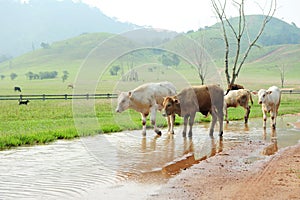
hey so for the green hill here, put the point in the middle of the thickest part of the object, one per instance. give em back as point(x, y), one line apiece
point(68, 55)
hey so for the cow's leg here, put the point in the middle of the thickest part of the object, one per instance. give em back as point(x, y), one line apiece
point(220, 119)
point(226, 113)
point(264, 118)
point(144, 121)
point(191, 122)
point(185, 121)
point(171, 122)
point(213, 123)
point(247, 114)
point(273, 118)
point(153, 119)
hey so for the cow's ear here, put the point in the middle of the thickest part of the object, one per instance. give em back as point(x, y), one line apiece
point(129, 93)
point(269, 92)
point(176, 100)
point(254, 92)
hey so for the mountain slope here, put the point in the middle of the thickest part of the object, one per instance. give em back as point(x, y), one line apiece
point(26, 26)
point(277, 32)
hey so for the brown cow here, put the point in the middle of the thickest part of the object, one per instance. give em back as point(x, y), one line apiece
point(233, 86)
point(205, 99)
point(237, 98)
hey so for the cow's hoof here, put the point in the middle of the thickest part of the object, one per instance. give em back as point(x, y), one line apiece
point(158, 133)
point(171, 133)
point(221, 134)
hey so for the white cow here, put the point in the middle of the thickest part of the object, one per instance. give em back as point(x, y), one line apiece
point(147, 98)
point(270, 101)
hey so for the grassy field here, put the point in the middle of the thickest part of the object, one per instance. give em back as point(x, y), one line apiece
point(42, 122)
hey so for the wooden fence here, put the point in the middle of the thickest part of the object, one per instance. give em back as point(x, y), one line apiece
point(82, 96)
point(57, 96)
point(283, 91)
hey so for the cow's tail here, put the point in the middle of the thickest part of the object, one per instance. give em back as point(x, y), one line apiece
point(250, 97)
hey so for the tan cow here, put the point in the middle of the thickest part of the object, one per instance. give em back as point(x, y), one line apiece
point(233, 86)
point(147, 98)
point(205, 99)
point(236, 98)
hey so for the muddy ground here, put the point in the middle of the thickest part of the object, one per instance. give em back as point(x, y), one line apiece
point(238, 174)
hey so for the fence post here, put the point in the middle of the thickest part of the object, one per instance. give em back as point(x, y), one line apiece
point(44, 97)
point(66, 96)
point(21, 97)
point(87, 96)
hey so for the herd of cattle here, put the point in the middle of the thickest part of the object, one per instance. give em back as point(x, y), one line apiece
point(206, 99)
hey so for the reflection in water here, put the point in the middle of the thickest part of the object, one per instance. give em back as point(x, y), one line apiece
point(246, 127)
point(190, 158)
point(216, 148)
point(273, 147)
point(103, 164)
point(232, 126)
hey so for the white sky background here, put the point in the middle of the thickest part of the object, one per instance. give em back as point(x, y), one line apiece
point(184, 15)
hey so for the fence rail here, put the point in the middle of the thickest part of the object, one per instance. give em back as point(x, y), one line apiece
point(283, 91)
point(57, 96)
point(82, 96)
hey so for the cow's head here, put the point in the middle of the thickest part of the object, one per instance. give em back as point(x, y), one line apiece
point(169, 105)
point(262, 95)
point(123, 101)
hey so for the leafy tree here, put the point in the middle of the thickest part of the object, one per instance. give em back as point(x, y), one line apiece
point(48, 75)
point(45, 45)
point(114, 70)
point(29, 75)
point(65, 76)
point(2, 76)
point(176, 60)
point(170, 60)
point(13, 76)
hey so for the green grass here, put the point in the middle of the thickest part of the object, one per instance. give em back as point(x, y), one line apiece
point(42, 122)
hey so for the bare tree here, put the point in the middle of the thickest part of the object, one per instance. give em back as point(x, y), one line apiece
point(238, 32)
point(282, 74)
point(195, 52)
point(200, 61)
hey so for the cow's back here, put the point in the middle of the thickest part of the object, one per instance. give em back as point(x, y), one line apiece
point(150, 93)
point(275, 96)
point(217, 96)
point(200, 98)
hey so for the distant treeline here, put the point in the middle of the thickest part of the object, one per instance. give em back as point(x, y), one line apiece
point(39, 76)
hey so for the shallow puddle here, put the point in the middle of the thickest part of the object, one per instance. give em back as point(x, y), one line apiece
point(124, 164)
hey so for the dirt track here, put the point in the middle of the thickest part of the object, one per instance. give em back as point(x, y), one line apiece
point(237, 174)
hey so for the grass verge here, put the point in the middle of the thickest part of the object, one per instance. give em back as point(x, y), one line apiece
point(42, 122)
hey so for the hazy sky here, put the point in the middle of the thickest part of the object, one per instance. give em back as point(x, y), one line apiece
point(184, 15)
